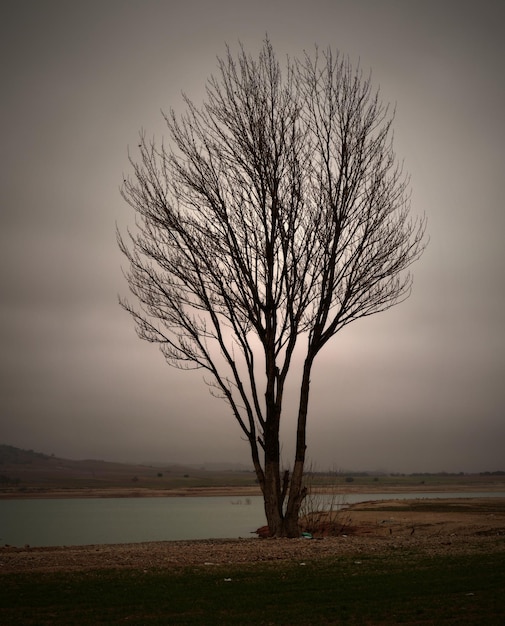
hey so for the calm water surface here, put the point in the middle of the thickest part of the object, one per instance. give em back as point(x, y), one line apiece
point(83, 521)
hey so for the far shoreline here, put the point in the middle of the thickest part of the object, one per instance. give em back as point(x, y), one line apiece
point(234, 491)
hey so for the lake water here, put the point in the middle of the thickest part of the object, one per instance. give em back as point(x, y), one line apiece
point(84, 521)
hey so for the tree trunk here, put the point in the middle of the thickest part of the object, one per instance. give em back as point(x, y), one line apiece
point(284, 521)
point(272, 491)
point(297, 491)
point(272, 500)
point(279, 523)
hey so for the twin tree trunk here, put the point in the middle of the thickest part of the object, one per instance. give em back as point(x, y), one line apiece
point(284, 491)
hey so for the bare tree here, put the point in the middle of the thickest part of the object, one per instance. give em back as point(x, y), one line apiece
point(277, 215)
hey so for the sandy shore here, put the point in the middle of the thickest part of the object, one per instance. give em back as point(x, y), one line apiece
point(363, 532)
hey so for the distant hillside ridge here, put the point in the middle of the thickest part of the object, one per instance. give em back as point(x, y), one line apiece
point(11, 454)
point(24, 471)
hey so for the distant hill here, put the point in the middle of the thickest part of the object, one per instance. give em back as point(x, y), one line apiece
point(16, 456)
point(29, 470)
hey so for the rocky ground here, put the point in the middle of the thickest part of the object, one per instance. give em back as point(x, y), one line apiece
point(363, 529)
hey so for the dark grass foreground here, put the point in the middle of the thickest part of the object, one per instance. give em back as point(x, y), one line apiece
point(403, 588)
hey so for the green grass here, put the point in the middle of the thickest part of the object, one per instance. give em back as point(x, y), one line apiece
point(397, 588)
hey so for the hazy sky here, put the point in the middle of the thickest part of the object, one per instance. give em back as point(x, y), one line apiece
point(418, 388)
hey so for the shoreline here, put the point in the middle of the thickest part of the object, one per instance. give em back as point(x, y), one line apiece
point(192, 492)
point(478, 527)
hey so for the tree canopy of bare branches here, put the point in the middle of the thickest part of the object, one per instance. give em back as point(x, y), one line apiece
point(277, 215)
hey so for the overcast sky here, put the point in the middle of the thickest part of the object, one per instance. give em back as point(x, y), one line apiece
point(417, 388)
